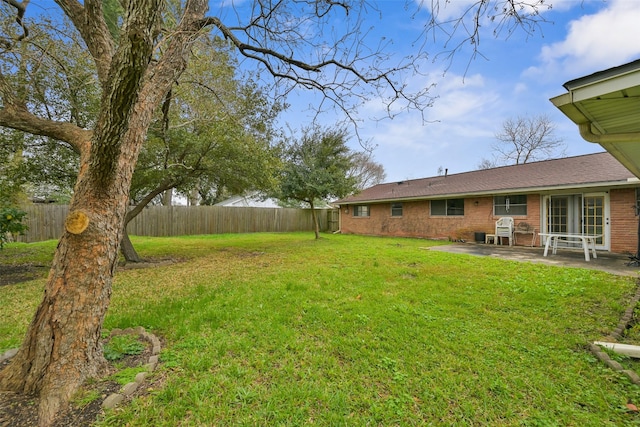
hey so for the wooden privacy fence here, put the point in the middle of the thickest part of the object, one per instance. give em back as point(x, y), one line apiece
point(47, 221)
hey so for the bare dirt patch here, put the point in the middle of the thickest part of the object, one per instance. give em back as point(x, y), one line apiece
point(12, 274)
point(148, 263)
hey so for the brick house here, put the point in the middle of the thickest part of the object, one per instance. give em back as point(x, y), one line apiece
point(591, 194)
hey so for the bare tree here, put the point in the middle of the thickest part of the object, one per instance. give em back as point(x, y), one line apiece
point(365, 170)
point(527, 139)
point(487, 164)
point(135, 66)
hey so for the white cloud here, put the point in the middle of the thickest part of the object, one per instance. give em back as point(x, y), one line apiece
point(460, 124)
point(461, 98)
point(595, 42)
point(456, 96)
point(520, 88)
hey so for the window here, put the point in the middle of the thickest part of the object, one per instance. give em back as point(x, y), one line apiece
point(510, 205)
point(448, 207)
point(396, 209)
point(361, 210)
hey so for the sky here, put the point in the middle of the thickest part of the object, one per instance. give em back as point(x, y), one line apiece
point(515, 77)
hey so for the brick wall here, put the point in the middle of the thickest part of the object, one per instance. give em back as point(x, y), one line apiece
point(478, 217)
point(624, 222)
point(416, 220)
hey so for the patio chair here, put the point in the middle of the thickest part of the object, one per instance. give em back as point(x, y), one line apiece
point(504, 228)
point(524, 228)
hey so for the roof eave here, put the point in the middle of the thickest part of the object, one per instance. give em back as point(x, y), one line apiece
point(619, 133)
point(523, 190)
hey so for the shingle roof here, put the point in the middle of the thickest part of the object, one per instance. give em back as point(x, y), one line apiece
point(598, 169)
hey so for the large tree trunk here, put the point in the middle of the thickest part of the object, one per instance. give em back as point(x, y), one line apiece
point(128, 250)
point(62, 346)
point(126, 247)
point(314, 215)
point(167, 197)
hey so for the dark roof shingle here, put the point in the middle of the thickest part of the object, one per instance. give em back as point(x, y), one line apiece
point(579, 171)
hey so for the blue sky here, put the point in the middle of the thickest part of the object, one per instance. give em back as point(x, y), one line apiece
point(516, 77)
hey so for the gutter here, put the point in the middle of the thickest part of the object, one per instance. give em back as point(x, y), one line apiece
point(587, 134)
point(539, 189)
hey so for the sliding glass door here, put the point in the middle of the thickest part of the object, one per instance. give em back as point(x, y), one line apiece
point(586, 213)
point(594, 220)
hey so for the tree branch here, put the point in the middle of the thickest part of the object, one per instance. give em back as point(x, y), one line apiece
point(89, 21)
point(281, 40)
point(167, 184)
point(21, 8)
point(505, 16)
point(129, 66)
point(20, 119)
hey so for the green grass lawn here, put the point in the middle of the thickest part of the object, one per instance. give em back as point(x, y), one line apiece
point(283, 330)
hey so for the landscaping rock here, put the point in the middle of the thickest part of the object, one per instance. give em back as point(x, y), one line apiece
point(112, 401)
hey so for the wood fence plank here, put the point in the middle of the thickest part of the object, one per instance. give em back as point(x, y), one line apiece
point(46, 222)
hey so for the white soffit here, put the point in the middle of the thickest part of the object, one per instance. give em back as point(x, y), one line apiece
point(606, 108)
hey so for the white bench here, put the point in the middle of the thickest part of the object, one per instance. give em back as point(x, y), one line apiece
point(588, 242)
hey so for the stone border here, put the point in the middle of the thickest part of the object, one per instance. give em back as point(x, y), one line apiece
point(615, 336)
point(8, 354)
point(128, 389)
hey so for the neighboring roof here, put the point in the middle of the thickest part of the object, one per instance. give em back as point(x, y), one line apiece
point(253, 200)
point(606, 107)
point(591, 170)
point(256, 200)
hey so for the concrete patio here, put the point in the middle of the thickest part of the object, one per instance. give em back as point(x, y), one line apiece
point(609, 262)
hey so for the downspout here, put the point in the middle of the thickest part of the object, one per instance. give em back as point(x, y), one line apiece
point(626, 349)
point(587, 134)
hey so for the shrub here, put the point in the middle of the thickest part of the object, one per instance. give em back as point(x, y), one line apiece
point(11, 223)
